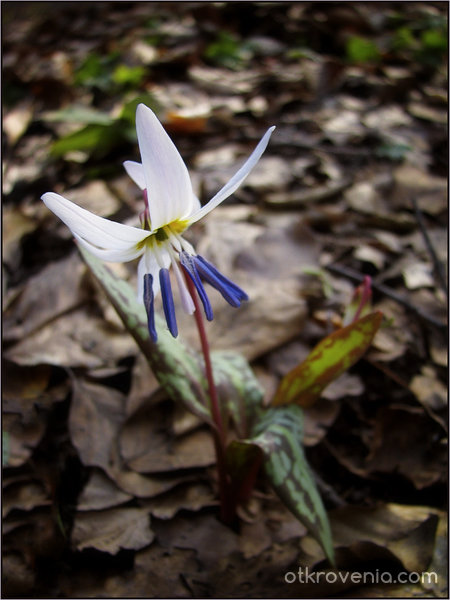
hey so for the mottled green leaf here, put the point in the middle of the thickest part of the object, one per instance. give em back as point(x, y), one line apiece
point(177, 370)
point(239, 391)
point(279, 435)
point(329, 359)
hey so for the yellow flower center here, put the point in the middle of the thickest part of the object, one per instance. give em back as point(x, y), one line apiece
point(162, 234)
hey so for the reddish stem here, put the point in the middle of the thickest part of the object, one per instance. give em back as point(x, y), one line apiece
point(227, 512)
point(365, 290)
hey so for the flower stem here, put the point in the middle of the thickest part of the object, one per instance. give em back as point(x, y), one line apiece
point(227, 513)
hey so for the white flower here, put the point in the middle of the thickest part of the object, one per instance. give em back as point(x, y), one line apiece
point(171, 207)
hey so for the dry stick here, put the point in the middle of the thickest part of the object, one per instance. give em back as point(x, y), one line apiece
point(387, 291)
point(438, 267)
point(218, 431)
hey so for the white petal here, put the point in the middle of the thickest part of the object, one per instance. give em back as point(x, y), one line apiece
point(113, 255)
point(166, 175)
point(136, 172)
point(94, 229)
point(236, 180)
point(195, 205)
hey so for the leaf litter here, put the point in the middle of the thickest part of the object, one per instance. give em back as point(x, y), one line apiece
point(103, 475)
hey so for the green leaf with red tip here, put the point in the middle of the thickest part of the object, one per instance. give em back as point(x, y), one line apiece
point(329, 359)
point(360, 305)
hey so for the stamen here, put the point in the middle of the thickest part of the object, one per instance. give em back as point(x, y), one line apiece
point(167, 299)
point(158, 256)
point(147, 220)
point(144, 193)
point(185, 245)
point(149, 306)
point(175, 238)
point(186, 299)
point(188, 263)
point(229, 290)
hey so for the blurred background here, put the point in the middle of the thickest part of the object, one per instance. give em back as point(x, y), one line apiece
point(353, 183)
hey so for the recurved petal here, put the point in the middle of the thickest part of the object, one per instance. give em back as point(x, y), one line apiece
point(110, 255)
point(165, 173)
point(92, 228)
point(236, 180)
point(136, 172)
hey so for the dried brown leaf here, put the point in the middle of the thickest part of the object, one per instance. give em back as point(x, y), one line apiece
point(402, 443)
point(112, 530)
point(24, 495)
point(189, 451)
point(191, 496)
point(96, 197)
point(96, 415)
point(387, 531)
point(268, 265)
point(100, 493)
point(23, 437)
point(77, 339)
point(55, 290)
point(318, 419)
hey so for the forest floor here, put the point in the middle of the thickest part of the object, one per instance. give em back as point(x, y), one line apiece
point(96, 500)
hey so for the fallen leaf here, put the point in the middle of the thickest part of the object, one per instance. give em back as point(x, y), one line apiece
point(257, 260)
point(364, 198)
point(430, 191)
point(402, 443)
point(191, 496)
point(24, 496)
point(387, 531)
point(418, 275)
point(16, 121)
point(429, 390)
point(96, 415)
point(55, 290)
point(199, 532)
point(346, 385)
point(96, 197)
point(190, 451)
point(271, 173)
point(74, 340)
point(112, 530)
point(318, 419)
point(100, 493)
point(21, 437)
point(254, 539)
point(16, 224)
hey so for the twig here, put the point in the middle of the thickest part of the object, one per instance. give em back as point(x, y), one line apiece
point(387, 291)
point(438, 267)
